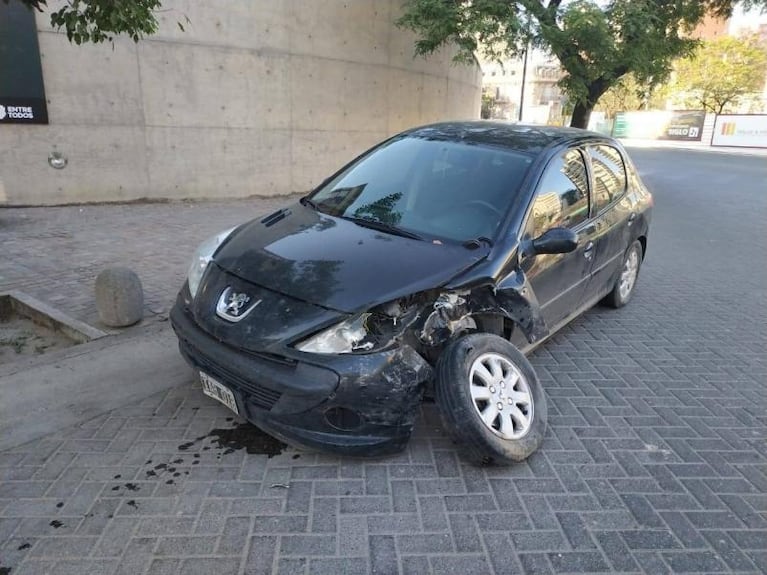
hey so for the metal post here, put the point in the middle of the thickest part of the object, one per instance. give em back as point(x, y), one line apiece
point(524, 76)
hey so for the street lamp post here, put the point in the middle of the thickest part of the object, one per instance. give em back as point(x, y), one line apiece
point(524, 76)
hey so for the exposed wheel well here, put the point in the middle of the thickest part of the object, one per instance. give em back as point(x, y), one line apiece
point(643, 241)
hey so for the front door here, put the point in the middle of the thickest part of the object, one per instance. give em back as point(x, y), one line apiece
point(561, 200)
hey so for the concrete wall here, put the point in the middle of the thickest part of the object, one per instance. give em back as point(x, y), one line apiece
point(262, 97)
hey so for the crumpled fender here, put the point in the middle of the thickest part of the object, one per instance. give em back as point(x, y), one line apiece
point(518, 302)
point(512, 297)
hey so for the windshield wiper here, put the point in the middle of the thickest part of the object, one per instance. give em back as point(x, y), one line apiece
point(382, 227)
point(475, 243)
point(310, 203)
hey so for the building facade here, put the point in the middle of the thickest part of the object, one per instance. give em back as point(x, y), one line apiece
point(257, 97)
point(543, 100)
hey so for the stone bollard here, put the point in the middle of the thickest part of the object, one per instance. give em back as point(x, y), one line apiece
point(119, 297)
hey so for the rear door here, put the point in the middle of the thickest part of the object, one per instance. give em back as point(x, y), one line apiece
point(561, 200)
point(613, 215)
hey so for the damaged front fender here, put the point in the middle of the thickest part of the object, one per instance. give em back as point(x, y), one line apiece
point(512, 298)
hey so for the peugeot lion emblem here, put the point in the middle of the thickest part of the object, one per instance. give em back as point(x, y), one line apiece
point(233, 306)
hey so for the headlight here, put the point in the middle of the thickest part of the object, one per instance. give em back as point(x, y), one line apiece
point(346, 337)
point(371, 331)
point(202, 258)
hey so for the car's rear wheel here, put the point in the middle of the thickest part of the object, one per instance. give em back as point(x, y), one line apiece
point(624, 285)
point(490, 399)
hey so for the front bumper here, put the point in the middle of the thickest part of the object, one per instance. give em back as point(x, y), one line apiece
point(362, 405)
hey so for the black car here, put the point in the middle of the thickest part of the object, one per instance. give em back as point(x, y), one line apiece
point(430, 264)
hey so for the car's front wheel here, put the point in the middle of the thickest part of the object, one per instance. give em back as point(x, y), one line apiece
point(626, 282)
point(490, 399)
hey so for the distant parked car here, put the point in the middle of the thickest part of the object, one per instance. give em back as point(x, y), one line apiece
point(412, 270)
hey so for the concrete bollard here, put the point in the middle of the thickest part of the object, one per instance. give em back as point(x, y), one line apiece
point(119, 297)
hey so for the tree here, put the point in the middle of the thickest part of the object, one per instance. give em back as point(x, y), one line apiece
point(597, 43)
point(622, 96)
point(488, 103)
point(99, 20)
point(721, 72)
point(628, 94)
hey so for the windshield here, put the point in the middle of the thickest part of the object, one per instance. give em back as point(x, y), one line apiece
point(448, 190)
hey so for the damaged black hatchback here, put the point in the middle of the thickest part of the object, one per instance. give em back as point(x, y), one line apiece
point(430, 264)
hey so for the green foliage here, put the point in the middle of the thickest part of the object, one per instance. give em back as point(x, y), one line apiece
point(629, 94)
point(624, 95)
point(488, 103)
point(596, 42)
point(99, 20)
point(721, 73)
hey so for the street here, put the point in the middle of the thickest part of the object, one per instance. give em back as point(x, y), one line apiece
point(655, 459)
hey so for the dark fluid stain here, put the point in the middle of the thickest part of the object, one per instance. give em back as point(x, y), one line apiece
point(206, 448)
point(161, 466)
point(56, 524)
point(118, 476)
point(248, 437)
point(24, 546)
point(132, 487)
point(186, 473)
point(133, 503)
point(196, 455)
point(5, 570)
point(177, 474)
point(148, 462)
point(171, 469)
point(230, 418)
point(178, 461)
point(115, 488)
point(110, 516)
point(296, 456)
point(195, 462)
point(200, 438)
point(60, 504)
point(228, 451)
point(169, 482)
point(150, 473)
point(185, 446)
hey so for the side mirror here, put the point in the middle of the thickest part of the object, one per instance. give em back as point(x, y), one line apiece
point(555, 241)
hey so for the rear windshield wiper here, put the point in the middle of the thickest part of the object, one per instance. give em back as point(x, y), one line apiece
point(476, 243)
point(382, 227)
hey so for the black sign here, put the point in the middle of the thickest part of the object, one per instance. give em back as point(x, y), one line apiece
point(684, 125)
point(22, 93)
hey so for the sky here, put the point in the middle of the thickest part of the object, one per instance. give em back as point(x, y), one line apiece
point(751, 19)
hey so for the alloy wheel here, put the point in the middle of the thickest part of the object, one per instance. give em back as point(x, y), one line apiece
point(501, 396)
point(629, 274)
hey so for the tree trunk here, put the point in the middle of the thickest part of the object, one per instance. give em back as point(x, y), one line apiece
point(581, 115)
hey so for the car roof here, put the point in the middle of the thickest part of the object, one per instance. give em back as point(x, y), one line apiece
point(528, 138)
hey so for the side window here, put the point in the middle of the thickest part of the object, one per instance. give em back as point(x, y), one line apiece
point(562, 199)
point(609, 174)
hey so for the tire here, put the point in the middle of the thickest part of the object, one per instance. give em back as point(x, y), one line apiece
point(626, 281)
point(461, 384)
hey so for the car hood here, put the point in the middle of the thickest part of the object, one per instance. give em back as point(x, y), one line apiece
point(335, 263)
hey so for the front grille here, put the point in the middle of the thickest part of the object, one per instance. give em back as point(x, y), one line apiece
point(259, 395)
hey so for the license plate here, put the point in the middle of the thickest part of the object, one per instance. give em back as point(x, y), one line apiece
point(219, 391)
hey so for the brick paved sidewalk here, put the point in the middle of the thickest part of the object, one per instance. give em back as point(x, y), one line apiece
point(55, 254)
point(655, 460)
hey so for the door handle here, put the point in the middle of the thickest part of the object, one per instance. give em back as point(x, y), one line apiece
point(588, 251)
point(632, 217)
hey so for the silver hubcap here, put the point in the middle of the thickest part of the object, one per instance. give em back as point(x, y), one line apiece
point(629, 274)
point(501, 396)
